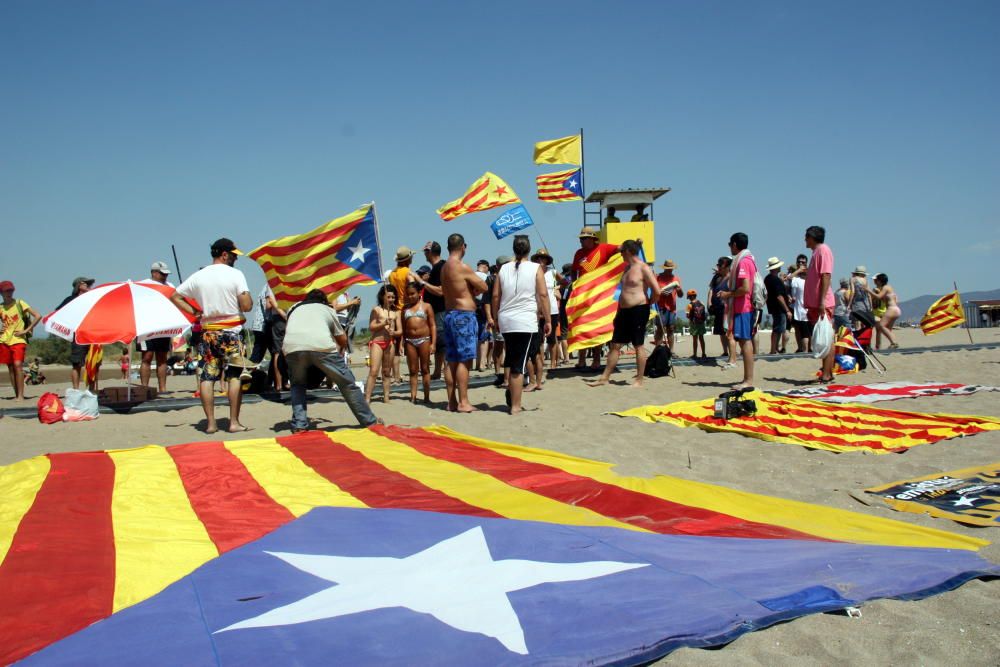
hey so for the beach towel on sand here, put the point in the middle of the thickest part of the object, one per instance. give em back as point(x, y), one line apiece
point(881, 391)
point(406, 546)
point(820, 425)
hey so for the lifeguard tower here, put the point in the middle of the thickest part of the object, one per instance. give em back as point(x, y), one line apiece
point(633, 209)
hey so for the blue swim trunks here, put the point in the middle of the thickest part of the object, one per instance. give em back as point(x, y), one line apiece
point(743, 325)
point(461, 334)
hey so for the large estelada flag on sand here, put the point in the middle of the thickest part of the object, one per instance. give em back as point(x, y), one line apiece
point(488, 191)
point(881, 391)
point(970, 495)
point(592, 303)
point(821, 425)
point(332, 257)
point(515, 555)
point(944, 313)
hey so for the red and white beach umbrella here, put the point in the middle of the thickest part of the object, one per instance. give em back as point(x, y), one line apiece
point(119, 313)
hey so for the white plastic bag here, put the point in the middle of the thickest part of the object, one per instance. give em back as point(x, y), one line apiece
point(81, 405)
point(822, 338)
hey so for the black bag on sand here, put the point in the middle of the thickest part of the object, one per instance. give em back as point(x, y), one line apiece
point(658, 363)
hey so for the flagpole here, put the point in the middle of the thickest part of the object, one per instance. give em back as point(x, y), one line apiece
point(583, 188)
point(967, 329)
point(177, 265)
point(378, 242)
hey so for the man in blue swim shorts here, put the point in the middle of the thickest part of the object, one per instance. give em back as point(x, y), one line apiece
point(460, 285)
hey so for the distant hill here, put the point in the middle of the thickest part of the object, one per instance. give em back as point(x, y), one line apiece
point(915, 308)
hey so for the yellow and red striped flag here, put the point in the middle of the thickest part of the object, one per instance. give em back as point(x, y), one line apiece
point(332, 257)
point(92, 363)
point(820, 425)
point(489, 191)
point(944, 313)
point(560, 186)
point(592, 304)
point(84, 535)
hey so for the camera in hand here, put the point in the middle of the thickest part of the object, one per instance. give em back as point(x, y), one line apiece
point(731, 404)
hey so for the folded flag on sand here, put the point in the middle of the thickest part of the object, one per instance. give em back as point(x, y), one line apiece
point(970, 495)
point(488, 191)
point(821, 425)
point(943, 314)
point(332, 257)
point(881, 391)
point(85, 536)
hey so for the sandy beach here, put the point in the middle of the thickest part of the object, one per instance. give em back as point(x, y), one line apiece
point(959, 627)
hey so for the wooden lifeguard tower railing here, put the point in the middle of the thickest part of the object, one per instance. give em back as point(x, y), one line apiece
point(627, 204)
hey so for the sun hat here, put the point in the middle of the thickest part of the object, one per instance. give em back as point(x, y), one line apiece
point(588, 233)
point(844, 282)
point(774, 263)
point(669, 264)
point(6, 285)
point(161, 267)
point(860, 270)
point(541, 252)
point(403, 253)
point(225, 245)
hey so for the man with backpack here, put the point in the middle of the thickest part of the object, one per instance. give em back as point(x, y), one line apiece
point(743, 295)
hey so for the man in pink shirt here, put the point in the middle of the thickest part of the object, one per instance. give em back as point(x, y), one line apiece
point(818, 296)
point(741, 310)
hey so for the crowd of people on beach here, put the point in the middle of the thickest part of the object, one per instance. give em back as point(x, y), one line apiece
point(449, 319)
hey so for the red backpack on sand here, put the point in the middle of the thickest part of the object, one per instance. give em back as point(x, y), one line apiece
point(50, 408)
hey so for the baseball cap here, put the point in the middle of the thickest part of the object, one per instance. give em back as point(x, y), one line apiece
point(482, 261)
point(6, 285)
point(161, 267)
point(424, 269)
point(82, 279)
point(224, 245)
point(503, 259)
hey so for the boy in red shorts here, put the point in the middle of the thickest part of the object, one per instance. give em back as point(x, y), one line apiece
point(18, 320)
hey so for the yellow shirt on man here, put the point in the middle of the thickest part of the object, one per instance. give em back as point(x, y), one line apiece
point(13, 321)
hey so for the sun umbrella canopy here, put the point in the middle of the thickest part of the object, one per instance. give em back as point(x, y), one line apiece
point(118, 313)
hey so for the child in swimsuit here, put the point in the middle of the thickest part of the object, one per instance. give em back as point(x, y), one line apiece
point(419, 336)
point(383, 324)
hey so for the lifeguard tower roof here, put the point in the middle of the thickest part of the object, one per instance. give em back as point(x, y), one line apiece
point(626, 197)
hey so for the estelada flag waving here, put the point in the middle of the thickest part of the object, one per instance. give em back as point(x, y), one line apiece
point(945, 313)
point(489, 191)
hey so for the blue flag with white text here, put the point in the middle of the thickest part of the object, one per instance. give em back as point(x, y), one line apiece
point(512, 220)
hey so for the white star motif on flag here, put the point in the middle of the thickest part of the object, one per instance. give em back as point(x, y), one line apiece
point(456, 581)
point(358, 252)
point(966, 501)
point(572, 183)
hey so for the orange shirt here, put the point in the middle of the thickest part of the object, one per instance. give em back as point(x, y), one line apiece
point(668, 301)
point(398, 278)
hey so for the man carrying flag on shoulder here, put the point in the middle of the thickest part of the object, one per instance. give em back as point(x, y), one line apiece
point(589, 257)
point(221, 291)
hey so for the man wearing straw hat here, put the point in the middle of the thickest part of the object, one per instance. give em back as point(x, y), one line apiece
point(777, 305)
point(670, 289)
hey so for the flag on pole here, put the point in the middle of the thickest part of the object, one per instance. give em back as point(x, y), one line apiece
point(945, 313)
point(489, 191)
point(567, 150)
point(332, 257)
point(560, 186)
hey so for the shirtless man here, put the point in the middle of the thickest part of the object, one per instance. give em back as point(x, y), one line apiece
point(639, 287)
point(460, 285)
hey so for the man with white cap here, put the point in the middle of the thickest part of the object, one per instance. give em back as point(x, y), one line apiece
point(158, 347)
point(777, 305)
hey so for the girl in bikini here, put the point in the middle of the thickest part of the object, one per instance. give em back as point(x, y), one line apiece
point(419, 337)
point(887, 311)
point(383, 324)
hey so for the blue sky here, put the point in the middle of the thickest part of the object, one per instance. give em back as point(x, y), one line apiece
point(128, 126)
